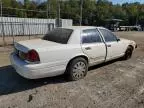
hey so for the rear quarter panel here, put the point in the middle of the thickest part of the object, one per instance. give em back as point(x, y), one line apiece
point(59, 55)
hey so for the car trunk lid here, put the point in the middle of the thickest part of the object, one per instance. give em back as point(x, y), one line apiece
point(23, 48)
point(36, 44)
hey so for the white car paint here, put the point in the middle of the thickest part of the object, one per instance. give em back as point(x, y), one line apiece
point(54, 57)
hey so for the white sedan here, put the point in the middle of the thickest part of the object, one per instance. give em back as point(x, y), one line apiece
point(70, 51)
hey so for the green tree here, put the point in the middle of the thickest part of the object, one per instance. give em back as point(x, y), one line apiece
point(95, 12)
point(26, 7)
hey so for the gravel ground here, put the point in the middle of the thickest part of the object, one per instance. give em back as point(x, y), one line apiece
point(116, 84)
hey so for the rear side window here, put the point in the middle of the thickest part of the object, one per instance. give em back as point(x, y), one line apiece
point(59, 35)
point(91, 36)
point(108, 36)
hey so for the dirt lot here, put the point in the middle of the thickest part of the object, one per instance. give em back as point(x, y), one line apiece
point(117, 84)
point(8, 40)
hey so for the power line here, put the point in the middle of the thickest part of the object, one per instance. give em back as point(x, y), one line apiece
point(23, 9)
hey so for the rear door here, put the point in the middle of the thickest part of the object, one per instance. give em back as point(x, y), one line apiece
point(93, 45)
point(114, 47)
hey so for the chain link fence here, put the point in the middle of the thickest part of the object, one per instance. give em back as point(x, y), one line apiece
point(20, 24)
point(16, 29)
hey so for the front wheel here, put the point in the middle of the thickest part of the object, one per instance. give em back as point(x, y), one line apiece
point(128, 53)
point(77, 69)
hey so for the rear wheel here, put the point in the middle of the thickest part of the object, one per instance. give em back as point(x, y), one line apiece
point(128, 53)
point(77, 69)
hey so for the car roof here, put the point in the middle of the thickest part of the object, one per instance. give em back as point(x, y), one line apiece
point(82, 27)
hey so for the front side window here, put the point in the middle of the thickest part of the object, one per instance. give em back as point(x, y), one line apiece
point(108, 36)
point(59, 35)
point(91, 36)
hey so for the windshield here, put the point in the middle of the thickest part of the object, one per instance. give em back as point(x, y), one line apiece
point(59, 35)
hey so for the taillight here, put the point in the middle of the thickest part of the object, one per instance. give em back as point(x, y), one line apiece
point(32, 56)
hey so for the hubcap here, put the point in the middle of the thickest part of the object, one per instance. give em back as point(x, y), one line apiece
point(79, 70)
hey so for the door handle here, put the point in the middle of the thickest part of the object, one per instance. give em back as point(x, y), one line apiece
point(88, 48)
point(109, 45)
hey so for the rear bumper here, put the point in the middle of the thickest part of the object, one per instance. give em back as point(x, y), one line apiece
point(35, 71)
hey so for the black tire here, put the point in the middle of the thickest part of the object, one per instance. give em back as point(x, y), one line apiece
point(128, 53)
point(77, 69)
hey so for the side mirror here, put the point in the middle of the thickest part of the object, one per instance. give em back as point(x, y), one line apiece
point(118, 40)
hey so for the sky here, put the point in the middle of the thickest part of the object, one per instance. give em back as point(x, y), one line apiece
point(129, 1)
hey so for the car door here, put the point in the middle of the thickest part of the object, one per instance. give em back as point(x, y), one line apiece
point(114, 46)
point(93, 45)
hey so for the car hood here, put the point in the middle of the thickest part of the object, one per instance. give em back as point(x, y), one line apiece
point(34, 44)
point(126, 40)
point(130, 42)
point(123, 39)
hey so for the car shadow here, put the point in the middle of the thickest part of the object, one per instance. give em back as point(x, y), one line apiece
point(104, 64)
point(11, 82)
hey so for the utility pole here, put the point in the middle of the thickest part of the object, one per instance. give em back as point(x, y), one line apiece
point(48, 9)
point(1, 8)
point(81, 12)
point(3, 35)
point(58, 12)
point(137, 18)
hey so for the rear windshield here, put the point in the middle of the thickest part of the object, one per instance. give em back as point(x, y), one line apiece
point(59, 35)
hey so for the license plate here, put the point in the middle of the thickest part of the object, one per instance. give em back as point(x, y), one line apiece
point(21, 55)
